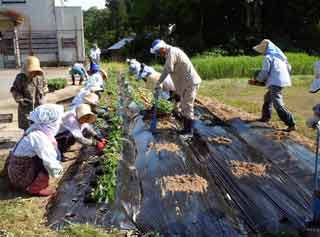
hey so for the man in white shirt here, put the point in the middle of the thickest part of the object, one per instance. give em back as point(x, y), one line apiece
point(95, 54)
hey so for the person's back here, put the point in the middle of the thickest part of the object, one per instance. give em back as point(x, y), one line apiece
point(279, 72)
point(181, 69)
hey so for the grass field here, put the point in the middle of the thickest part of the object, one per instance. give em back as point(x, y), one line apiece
point(236, 92)
point(210, 67)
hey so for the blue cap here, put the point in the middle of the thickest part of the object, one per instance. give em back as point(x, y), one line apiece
point(95, 68)
point(155, 42)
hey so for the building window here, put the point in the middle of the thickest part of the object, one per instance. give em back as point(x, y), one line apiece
point(13, 1)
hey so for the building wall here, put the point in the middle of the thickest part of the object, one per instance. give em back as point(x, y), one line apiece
point(70, 34)
point(40, 14)
point(56, 31)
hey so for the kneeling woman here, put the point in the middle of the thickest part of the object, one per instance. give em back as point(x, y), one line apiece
point(35, 156)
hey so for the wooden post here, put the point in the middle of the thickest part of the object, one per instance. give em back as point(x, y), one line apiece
point(16, 47)
point(76, 38)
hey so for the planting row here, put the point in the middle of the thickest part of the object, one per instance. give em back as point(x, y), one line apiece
point(106, 184)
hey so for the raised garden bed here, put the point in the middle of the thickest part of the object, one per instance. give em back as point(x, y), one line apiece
point(231, 180)
point(57, 84)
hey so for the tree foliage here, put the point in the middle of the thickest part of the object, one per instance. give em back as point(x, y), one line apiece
point(232, 25)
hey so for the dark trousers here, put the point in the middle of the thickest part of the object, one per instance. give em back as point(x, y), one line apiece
point(65, 140)
point(74, 79)
point(274, 97)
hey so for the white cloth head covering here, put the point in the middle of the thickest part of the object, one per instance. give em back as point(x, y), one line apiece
point(160, 44)
point(46, 118)
point(46, 114)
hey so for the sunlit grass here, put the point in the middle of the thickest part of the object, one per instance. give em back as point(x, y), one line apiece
point(236, 92)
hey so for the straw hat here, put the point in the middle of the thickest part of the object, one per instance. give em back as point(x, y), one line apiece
point(84, 114)
point(262, 47)
point(91, 99)
point(104, 74)
point(32, 64)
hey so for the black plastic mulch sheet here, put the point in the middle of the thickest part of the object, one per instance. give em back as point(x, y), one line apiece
point(231, 205)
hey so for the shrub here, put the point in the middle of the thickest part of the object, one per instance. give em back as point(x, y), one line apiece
point(57, 84)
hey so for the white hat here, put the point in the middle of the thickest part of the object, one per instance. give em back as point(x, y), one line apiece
point(262, 47)
point(315, 86)
point(91, 99)
point(157, 45)
point(95, 89)
point(84, 114)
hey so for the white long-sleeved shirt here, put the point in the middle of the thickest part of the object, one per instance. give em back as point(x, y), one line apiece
point(95, 79)
point(95, 54)
point(37, 143)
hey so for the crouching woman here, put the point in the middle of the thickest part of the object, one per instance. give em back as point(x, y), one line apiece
point(76, 127)
point(35, 156)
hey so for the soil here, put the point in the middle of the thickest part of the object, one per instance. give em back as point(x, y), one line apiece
point(184, 183)
point(245, 169)
point(228, 113)
point(220, 140)
point(169, 147)
point(165, 124)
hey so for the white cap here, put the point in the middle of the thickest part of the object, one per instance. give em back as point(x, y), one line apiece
point(157, 45)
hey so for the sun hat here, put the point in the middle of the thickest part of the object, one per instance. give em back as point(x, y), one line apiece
point(91, 99)
point(104, 74)
point(84, 114)
point(32, 64)
point(95, 89)
point(262, 46)
point(157, 45)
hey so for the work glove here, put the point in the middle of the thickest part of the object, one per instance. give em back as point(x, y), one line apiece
point(56, 172)
point(100, 146)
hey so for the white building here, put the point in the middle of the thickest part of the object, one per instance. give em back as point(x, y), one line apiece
point(45, 28)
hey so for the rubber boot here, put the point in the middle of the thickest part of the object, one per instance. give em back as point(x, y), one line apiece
point(187, 126)
point(40, 186)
